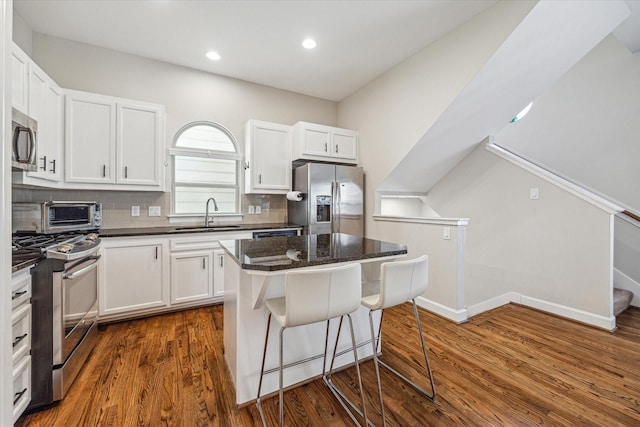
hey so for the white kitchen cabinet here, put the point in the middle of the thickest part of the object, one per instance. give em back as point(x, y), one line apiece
point(133, 276)
point(324, 143)
point(21, 340)
point(197, 266)
point(113, 143)
point(218, 273)
point(46, 107)
point(191, 276)
point(38, 96)
point(19, 79)
point(139, 144)
point(90, 138)
point(267, 158)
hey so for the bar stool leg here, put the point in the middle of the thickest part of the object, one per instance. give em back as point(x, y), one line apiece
point(264, 356)
point(281, 392)
point(336, 392)
point(374, 345)
point(355, 358)
point(431, 396)
point(424, 351)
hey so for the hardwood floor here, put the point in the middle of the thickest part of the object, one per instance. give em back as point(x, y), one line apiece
point(510, 366)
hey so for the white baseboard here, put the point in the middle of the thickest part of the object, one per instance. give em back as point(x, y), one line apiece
point(622, 281)
point(457, 316)
point(460, 316)
point(608, 323)
point(492, 303)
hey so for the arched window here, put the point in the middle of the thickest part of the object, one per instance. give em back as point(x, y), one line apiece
point(206, 163)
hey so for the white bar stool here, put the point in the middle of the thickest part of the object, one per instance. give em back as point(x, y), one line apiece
point(400, 281)
point(314, 296)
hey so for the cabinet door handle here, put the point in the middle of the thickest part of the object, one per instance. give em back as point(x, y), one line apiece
point(156, 252)
point(53, 166)
point(325, 147)
point(336, 148)
point(259, 178)
point(221, 261)
point(18, 395)
point(126, 172)
point(104, 171)
point(18, 295)
point(18, 339)
point(44, 163)
point(204, 266)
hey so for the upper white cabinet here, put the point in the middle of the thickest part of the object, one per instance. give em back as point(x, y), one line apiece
point(139, 144)
point(90, 140)
point(113, 141)
point(267, 158)
point(19, 79)
point(324, 143)
point(35, 94)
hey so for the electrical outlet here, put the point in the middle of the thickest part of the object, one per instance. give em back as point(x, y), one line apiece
point(446, 233)
point(534, 193)
point(251, 210)
point(135, 210)
point(266, 206)
point(258, 210)
point(154, 210)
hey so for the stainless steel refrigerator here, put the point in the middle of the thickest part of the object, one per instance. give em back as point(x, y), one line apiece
point(332, 199)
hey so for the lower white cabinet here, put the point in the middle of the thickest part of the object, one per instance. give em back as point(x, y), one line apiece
point(148, 275)
point(134, 276)
point(191, 276)
point(21, 340)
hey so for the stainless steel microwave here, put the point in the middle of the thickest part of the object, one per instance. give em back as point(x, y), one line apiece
point(56, 217)
point(24, 141)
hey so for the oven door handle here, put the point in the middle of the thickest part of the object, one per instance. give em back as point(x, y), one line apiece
point(82, 271)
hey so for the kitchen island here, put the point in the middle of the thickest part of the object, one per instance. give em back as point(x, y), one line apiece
point(254, 271)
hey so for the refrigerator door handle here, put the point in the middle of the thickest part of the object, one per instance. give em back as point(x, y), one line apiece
point(336, 206)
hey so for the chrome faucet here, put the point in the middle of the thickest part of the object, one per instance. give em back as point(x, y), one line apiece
point(206, 215)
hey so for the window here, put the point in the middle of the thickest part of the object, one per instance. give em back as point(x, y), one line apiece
point(206, 162)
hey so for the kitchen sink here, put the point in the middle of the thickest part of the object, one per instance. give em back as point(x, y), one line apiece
point(209, 228)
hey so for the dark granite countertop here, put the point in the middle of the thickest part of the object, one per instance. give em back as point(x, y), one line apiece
point(184, 229)
point(282, 253)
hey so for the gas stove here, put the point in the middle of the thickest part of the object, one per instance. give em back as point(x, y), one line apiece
point(65, 246)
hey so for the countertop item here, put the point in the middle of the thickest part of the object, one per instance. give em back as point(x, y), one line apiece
point(281, 253)
point(193, 228)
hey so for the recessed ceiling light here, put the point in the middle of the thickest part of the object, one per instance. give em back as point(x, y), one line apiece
point(309, 43)
point(214, 56)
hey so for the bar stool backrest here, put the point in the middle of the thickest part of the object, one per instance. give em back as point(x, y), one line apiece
point(402, 281)
point(316, 295)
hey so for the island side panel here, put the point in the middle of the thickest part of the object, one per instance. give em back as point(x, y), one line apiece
point(231, 285)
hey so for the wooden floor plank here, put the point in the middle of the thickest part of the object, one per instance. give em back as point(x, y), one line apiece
point(510, 366)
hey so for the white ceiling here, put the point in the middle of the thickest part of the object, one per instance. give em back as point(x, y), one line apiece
point(259, 41)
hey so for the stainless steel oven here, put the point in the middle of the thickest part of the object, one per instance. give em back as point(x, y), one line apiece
point(75, 312)
point(56, 217)
point(64, 310)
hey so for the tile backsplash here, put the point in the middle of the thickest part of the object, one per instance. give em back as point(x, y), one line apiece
point(116, 205)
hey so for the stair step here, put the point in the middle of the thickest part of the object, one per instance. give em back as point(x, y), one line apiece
point(621, 300)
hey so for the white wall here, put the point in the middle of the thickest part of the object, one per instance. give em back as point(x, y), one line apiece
point(556, 249)
point(395, 110)
point(587, 126)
